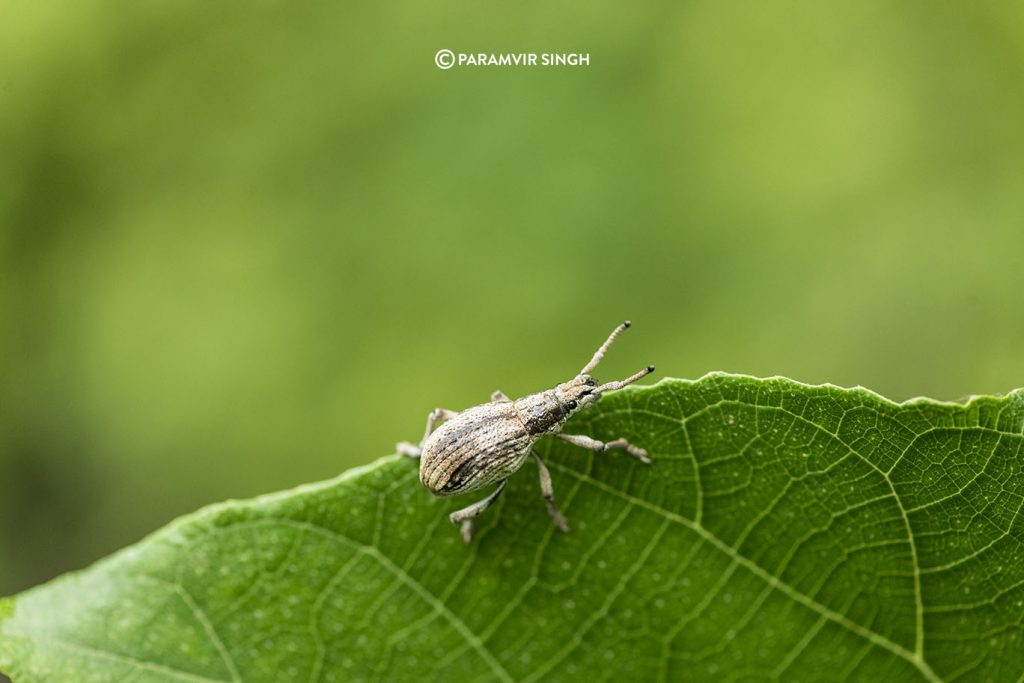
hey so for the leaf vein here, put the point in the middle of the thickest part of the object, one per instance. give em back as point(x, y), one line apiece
point(793, 593)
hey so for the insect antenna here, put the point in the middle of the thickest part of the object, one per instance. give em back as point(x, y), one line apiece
point(599, 354)
point(615, 386)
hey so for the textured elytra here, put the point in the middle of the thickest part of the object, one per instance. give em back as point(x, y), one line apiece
point(482, 445)
point(783, 531)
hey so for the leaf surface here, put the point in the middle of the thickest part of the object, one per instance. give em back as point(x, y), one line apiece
point(784, 531)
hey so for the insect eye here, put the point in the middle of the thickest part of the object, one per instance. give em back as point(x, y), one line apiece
point(571, 405)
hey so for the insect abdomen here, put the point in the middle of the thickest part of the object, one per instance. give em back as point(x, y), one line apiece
point(473, 449)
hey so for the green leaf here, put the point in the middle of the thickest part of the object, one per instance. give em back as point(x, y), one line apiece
point(784, 531)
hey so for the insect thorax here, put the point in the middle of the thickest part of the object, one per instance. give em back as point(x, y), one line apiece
point(540, 413)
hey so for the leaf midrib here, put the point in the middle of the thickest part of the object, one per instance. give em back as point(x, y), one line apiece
point(762, 573)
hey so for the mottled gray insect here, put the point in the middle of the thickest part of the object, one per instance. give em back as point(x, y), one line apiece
point(489, 442)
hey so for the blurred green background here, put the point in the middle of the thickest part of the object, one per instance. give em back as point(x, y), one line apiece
point(248, 245)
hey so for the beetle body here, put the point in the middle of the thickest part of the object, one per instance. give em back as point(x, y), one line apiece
point(490, 442)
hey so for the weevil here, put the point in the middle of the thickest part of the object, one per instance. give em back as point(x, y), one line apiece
point(488, 443)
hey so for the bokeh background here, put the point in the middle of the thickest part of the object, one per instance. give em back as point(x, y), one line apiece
point(248, 245)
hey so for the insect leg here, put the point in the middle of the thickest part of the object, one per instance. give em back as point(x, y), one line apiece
point(465, 515)
point(407, 448)
point(499, 396)
point(548, 492)
point(599, 446)
point(435, 416)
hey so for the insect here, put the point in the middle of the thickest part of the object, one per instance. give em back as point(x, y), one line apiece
point(490, 442)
